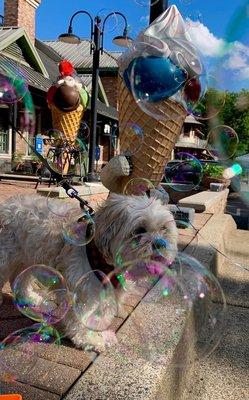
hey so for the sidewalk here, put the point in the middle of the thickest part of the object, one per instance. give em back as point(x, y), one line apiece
point(224, 375)
point(9, 189)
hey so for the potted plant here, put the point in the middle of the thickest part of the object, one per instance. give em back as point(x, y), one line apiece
point(214, 174)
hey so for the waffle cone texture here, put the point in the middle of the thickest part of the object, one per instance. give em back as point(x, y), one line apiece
point(159, 140)
point(67, 122)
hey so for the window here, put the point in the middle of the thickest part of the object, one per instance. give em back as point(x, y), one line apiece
point(4, 131)
point(4, 142)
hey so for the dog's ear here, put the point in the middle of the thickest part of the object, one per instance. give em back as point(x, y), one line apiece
point(110, 219)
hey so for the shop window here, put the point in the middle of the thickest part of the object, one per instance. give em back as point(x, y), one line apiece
point(4, 142)
point(4, 131)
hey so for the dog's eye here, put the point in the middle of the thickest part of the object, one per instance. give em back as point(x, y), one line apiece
point(139, 231)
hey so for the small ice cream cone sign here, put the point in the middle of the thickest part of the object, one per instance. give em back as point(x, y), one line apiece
point(67, 99)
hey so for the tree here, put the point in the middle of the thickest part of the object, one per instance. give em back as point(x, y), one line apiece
point(233, 112)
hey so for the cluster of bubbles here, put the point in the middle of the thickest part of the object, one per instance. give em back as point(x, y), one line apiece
point(42, 294)
point(181, 285)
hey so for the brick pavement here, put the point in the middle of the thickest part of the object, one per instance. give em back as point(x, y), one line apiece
point(56, 369)
point(9, 189)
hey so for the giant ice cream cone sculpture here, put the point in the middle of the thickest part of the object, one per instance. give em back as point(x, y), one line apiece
point(159, 137)
point(153, 74)
point(67, 100)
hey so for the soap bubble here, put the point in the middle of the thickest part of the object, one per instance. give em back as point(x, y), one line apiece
point(186, 2)
point(94, 301)
point(83, 132)
point(79, 231)
point(160, 72)
point(186, 56)
point(203, 291)
point(138, 187)
point(187, 236)
point(135, 249)
point(56, 137)
point(12, 88)
point(134, 138)
point(153, 80)
point(41, 294)
point(18, 352)
point(202, 97)
point(185, 173)
point(222, 142)
point(191, 324)
point(138, 255)
point(112, 22)
point(146, 3)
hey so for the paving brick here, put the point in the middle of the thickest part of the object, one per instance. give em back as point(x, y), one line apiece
point(12, 189)
point(51, 376)
point(65, 355)
point(124, 311)
point(132, 300)
point(116, 323)
point(28, 392)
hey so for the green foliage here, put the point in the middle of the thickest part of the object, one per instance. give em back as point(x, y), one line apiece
point(17, 157)
point(216, 171)
point(234, 113)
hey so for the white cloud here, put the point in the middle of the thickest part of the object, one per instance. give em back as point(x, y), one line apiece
point(237, 59)
point(208, 44)
point(232, 56)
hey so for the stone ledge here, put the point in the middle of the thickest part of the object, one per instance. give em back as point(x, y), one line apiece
point(88, 189)
point(210, 202)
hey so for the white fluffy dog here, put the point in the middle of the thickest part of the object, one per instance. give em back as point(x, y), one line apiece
point(30, 234)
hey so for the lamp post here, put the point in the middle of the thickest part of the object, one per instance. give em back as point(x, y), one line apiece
point(157, 7)
point(96, 48)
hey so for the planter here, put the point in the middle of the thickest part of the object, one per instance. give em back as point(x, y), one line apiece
point(206, 180)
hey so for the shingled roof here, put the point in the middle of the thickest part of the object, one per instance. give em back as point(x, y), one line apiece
point(80, 57)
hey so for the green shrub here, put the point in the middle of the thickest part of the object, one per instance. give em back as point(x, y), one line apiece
point(216, 171)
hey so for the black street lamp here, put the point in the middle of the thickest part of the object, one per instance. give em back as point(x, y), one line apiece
point(157, 7)
point(96, 48)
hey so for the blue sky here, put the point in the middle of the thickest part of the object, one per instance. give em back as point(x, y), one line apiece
point(214, 22)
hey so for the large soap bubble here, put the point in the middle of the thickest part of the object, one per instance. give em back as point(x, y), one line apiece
point(18, 350)
point(80, 230)
point(188, 306)
point(41, 294)
point(222, 142)
point(94, 301)
point(202, 96)
point(185, 173)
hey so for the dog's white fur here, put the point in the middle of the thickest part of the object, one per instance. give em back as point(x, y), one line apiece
point(30, 234)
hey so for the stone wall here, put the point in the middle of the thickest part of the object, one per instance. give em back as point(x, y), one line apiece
point(207, 201)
